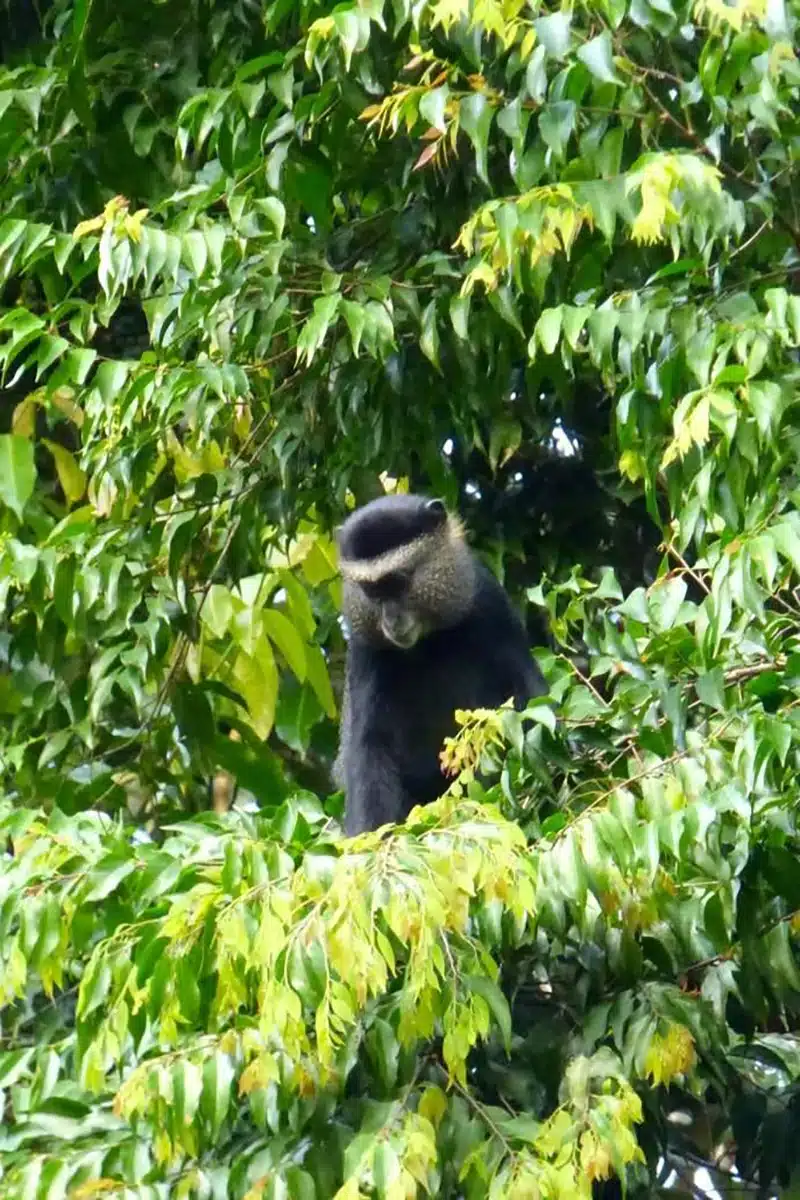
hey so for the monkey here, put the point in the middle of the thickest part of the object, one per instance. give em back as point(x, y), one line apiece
point(431, 630)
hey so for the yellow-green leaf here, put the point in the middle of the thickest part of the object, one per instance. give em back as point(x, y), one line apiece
point(70, 475)
point(282, 632)
point(17, 472)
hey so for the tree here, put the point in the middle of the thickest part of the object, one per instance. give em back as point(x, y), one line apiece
point(258, 262)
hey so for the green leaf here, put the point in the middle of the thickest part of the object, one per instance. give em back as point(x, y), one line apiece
point(429, 338)
point(475, 116)
point(556, 124)
point(70, 475)
point(573, 320)
point(215, 241)
point(107, 876)
point(683, 266)
point(256, 678)
point(356, 319)
point(348, 27)
point(505, 440)
point(17, 472)
point(218, 1076)
point(281, 84)
point(79, 362)
point(778, 735)
point(596, 55)
point(635, 605)
point(30, 100)
point(602, 325)
point(716, 926)
point(553, 32)
point(319, 679)
point(503, 302)
point(178, 537)
point(300, 1184)
point(50, 348)
point(94, 986)
point(432, 107)
point(385, 1167)
point(498, 1005)
point(541, 712)
point(536, 75)
point(786, 538)
point(300, 607)
point(459, 316)
point(110, 380)
point(608, 588)
point(383, 1051)
point(765, 397)
point(13, 1065)
point(521, 1128)
point(316, 327)
point(282, 632)
point(548, 329)
point(217, 611)
point(711, 689)
point(763, 552)
point(275, 212)
point(664, 601)
point(195, 251)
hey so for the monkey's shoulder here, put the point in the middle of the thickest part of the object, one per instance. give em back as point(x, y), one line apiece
point(491, 601)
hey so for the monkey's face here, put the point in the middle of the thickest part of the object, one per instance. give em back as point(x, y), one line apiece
point(406, 570)
point(391, 599)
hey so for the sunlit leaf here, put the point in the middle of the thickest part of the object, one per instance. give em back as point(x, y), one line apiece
point(596, 55)
point(70, 475)
point(553, 32)
point(17, 472)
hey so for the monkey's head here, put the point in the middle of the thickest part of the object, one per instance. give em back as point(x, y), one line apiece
point(406, 568)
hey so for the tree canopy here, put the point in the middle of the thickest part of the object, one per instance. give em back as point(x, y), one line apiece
point(260, 261)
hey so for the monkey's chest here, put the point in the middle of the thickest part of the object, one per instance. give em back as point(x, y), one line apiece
point(415, 694)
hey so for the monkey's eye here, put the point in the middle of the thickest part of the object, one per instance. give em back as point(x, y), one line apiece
point(391, 586)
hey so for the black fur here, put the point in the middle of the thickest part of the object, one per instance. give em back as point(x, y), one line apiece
point(387, 523)
point(401, 703)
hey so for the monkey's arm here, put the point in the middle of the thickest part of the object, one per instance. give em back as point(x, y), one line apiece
point(369, 762)
point(338, 774)
point(516, 666)
point(375, 794)
point(509, 663)
point(530, 682)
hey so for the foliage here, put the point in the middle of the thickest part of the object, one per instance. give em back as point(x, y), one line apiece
point(257, 262)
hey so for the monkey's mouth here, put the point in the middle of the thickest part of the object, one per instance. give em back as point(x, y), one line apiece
point(402, 636)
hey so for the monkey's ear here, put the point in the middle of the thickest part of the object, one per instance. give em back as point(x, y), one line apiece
point(437, 507)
